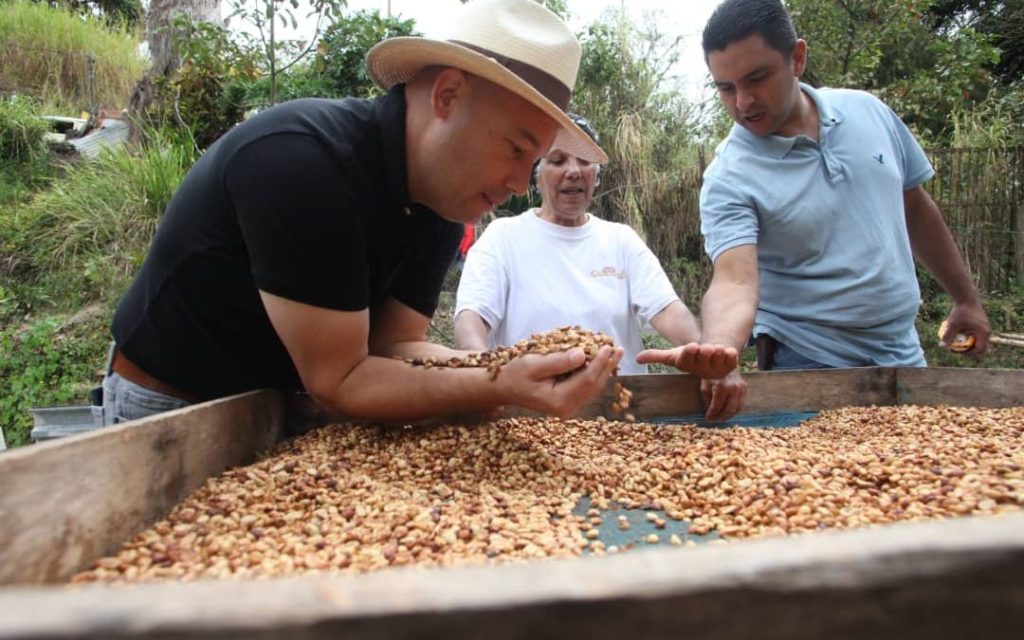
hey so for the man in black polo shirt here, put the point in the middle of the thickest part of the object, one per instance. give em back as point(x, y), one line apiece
point(307, 247)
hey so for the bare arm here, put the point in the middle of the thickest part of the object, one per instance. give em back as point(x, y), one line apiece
point(471, 331)
point(351, 372)
point(934, 247)
point(728, 308)
point(727, 316)
point(676, 324)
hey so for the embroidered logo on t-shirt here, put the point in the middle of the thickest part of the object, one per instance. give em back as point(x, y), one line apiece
point(608, 272)
point(879, 158)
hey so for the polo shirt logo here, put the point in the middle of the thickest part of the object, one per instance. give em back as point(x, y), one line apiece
point(608, 272)
point(879, 158)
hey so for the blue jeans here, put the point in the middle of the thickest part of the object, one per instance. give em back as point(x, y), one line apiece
point(788, 358)
point(124, 400)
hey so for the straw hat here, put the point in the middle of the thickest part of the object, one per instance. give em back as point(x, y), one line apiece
point(516, 44)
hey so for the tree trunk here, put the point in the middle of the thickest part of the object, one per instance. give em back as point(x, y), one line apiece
point(160, 40)
point(158, 35)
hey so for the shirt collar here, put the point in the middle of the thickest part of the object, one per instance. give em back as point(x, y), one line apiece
point(778, 146)
point(390, 116)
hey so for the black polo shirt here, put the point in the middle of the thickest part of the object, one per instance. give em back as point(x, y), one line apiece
point(308, 201)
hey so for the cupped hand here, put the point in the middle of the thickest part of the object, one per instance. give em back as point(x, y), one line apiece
point(705, 360)
point(534, 381)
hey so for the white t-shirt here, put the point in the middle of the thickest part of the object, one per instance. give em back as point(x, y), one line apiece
point(525, 275)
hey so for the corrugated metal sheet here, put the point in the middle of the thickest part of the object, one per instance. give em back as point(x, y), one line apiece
point(109, 133)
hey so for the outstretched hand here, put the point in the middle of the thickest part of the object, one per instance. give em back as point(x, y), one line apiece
point(705, 360)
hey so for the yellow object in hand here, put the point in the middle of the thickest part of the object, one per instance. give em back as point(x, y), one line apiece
point(962, 342)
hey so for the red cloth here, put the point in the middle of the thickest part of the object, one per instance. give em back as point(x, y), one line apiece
point(467, 240)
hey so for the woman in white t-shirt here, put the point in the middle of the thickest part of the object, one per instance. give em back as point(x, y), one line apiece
point(560, 265)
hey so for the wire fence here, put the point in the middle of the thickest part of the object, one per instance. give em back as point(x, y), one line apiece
point(981, 194)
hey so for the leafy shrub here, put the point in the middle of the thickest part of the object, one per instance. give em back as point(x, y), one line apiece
point(343, 49)
point(46, 363)
point(207, 96)
point(301, 81)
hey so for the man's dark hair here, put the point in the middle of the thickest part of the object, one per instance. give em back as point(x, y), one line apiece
point(736, 20)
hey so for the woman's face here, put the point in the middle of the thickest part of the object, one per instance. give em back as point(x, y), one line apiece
point(566, 184)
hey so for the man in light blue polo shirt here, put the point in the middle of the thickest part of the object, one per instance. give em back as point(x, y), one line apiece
point(813, 212)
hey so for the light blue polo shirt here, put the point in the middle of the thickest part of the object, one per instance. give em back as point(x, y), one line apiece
point(837, 274)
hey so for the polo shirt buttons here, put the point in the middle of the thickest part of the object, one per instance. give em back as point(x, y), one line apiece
point(408, 211)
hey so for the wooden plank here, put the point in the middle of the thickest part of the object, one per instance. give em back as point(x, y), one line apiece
point(824, 389)
point(1007, 341)
point(961, 387)
point(768, 391)
point(937, 580)
point(660, 395)
point(66, 503)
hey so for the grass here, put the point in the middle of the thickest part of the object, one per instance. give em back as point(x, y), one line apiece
point(24, 157)
point(84, 237)
point(45, 53)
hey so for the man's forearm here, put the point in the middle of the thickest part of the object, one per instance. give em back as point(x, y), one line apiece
point(388, 389)
point(729, 306)
point(933, 245)
point(727, 314)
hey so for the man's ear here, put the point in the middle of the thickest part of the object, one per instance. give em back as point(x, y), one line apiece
point(799, 57)
point(449, 86)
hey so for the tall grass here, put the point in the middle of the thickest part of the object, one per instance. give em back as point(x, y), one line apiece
point(658, 196)
point(21, 131)
point(24, 158)
point(93, 226)
point(994, 123)
point(44, 52)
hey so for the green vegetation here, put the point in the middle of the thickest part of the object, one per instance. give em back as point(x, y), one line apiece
point(51, 361)
point(83, 238)
point(924, 69)
point(208, 94)
point(66, 256)
point(344, 47)
point(45, 53)
point(24, 157)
